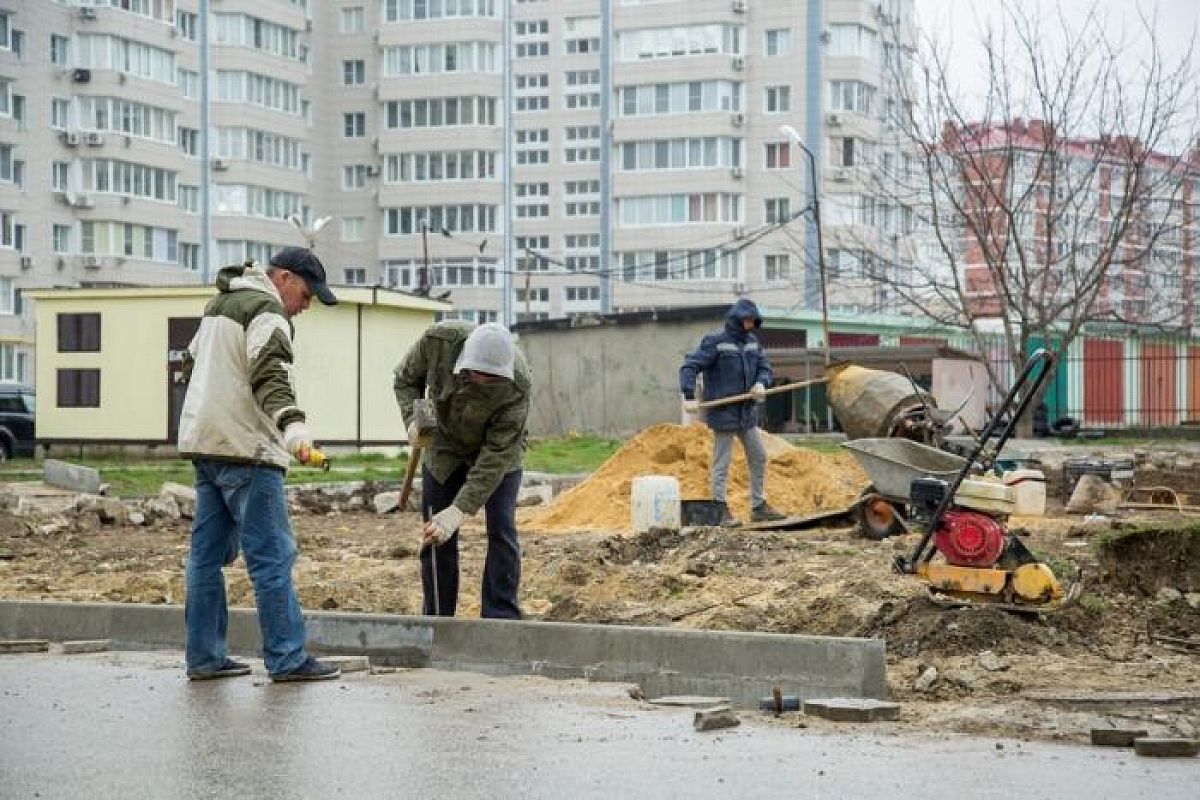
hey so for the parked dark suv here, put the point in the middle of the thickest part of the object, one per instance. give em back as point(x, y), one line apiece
point(16, 420)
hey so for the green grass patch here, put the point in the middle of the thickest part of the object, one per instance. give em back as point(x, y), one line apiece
point(570, 454)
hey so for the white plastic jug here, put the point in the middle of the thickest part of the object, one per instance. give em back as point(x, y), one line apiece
point(655, 502)
point(1030, 488)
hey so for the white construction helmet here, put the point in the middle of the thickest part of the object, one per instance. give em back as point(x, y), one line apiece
point(488, 349)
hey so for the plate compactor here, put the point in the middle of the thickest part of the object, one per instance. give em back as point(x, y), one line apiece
point(963, 520)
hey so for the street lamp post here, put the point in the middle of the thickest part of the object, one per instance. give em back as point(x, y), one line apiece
point(790, 132)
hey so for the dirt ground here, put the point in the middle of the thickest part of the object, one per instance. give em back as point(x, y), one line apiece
point(827, 582)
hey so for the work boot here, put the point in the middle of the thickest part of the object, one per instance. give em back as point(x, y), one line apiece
point(728, 520)
point(764, 513)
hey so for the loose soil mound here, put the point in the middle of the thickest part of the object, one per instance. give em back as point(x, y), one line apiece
point(1145, 560)
point(799, 481)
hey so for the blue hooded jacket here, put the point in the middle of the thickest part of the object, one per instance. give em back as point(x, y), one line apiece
point(732, 360)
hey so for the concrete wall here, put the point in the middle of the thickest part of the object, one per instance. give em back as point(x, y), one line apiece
point(608, 380)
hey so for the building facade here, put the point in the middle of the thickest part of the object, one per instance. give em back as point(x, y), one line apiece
point(526, 159)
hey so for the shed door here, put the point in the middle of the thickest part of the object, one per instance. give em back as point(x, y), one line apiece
point(1158, 373)
point(1103, 382)
point(180, 331)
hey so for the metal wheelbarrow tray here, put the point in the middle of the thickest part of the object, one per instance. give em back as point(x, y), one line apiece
point(892, 464)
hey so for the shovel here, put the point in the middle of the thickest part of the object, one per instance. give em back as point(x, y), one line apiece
point(741, 398)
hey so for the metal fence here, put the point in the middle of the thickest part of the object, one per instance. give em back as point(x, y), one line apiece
point(1117, 382)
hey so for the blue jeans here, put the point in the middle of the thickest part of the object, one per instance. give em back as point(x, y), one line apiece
point(501, 567)
point(241, 505)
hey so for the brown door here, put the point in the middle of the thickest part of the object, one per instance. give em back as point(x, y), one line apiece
point(180, 331)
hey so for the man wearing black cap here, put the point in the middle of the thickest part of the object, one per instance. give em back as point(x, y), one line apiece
point(240, 426)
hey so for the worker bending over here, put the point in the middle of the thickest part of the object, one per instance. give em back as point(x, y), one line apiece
point(479, 385)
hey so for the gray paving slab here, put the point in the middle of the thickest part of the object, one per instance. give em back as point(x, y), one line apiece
point(128, 724)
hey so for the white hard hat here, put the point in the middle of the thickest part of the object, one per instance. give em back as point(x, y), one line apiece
point(488, 349)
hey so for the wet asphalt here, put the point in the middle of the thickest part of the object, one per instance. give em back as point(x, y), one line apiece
point(129, 725)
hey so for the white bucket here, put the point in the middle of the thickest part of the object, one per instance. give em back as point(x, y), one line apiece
point(1030, 488)
point(655, 502)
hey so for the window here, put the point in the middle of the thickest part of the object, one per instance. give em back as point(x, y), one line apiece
point(779, 155)
point(189, 141)
point(690, 153)
point(778, 42)
point(187, 23)
point(354, 276)
point(354, 72)
point(353, 19)
point(60, 113)
point(779, 99)
point(693, 40)
point(679, 265)
point(846, 151)
point(188, 82)
point(189, 198)
point(60, 50)
point(529, 146)
point(776, 210)
point(777, 267)
point(450, 165)
point(8, 296)
point(78, 388)
point(354, 176)
point(675, 209)
point(468, 217)
point(436, 112)
point(354, 125)
point(62, 239)
point(127, 56)
point(441, 57)
point(854, 96)
point(78, 333)
point(687, 97)
point(853, 40)
point(352, 229)
point(396, 10)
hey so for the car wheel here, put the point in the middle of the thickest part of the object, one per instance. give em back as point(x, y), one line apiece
point(5, 451)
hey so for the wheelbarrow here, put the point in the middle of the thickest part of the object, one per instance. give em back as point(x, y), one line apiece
point(892, 465)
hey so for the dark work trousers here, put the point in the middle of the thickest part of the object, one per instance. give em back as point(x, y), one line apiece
point(501, 570)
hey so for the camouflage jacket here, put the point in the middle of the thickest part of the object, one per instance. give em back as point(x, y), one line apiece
point(479, 426)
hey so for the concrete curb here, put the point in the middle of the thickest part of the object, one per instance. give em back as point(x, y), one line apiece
point(740, 666)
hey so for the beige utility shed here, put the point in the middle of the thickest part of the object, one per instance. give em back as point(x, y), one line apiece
point(108, 363)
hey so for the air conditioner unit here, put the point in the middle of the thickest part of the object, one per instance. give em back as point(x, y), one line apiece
point(126, 200)
point(94, 139)
point(61, 263)
point(81, 200)
point(87, 12)
point(738, 120)
point(739, 6)
point(81, 75)
point(841, 175)
point(739, 232)
point(308, 25)
point(91, 262)
point(738, 63)
point(219, 165)
point(372, 171)
point(26, 262)
point(833, 119)
point(129, 141)
point(737, 172)
point(69, 138)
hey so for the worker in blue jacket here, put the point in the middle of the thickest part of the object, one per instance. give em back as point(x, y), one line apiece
point(733, 362)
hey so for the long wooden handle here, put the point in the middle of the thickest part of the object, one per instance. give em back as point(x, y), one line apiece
point(413, 460)
point(741, 398)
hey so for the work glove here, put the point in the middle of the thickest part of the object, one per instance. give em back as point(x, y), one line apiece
point(758, 393)
point(443, 524)
point(298, 441)
point(691, 411)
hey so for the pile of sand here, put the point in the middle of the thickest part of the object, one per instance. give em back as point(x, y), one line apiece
point(799, 481)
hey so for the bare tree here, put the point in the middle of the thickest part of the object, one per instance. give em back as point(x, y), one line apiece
point(1058, 199)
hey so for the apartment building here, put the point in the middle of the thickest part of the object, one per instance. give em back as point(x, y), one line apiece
point(479, 150)
point(1069, 215)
